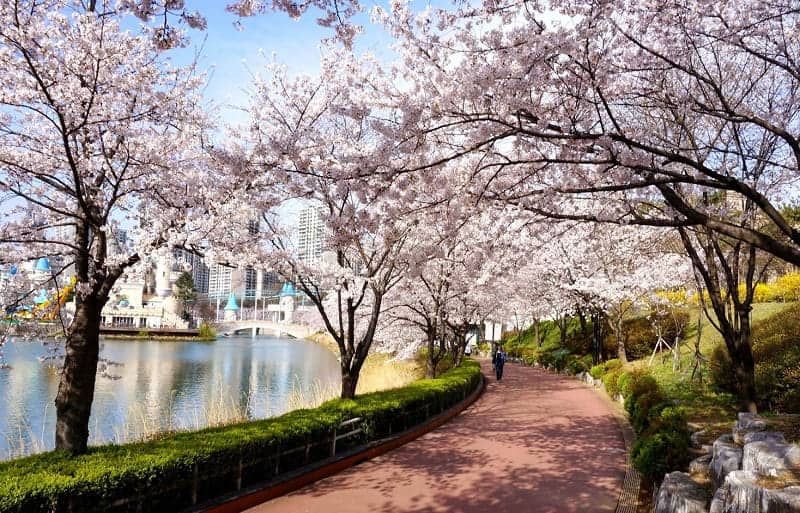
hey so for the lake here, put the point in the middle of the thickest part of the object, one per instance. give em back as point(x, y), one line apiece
point(164, 386)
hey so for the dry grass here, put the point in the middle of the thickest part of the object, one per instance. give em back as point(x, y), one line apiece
point(784, 479)
point(142, 425)
point(316, 394)
point(788, 424)
point(381, 372)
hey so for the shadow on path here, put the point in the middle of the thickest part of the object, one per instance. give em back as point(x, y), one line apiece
point(535, 442)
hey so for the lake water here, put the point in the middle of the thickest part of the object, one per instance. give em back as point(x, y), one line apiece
point(164, 386)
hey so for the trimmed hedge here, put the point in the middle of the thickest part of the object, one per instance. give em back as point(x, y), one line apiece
point(172, 472)
point(663, 438)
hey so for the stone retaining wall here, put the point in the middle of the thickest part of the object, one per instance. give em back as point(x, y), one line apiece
point(751, 470)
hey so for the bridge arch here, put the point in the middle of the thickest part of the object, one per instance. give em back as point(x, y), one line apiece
point(261, 326)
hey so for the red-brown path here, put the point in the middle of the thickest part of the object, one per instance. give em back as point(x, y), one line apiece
point(535, 442)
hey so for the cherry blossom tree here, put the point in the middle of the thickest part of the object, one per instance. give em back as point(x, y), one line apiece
point(458, 254)
point(97, 132)
point(655, 104)
point(310, 139)
point(633, 113)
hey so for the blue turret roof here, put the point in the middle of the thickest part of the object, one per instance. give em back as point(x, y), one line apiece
point(232, 303)
point(42, 297)
point(42, 265)
point(288, 289)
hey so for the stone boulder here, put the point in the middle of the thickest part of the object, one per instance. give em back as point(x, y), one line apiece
point(678, 493)
point(747, 423)
point(700, 466)
point(697, 438)
point(726, 457)
point(718, 501)
point(771, 458)
point(763, 436)
point(745, 495)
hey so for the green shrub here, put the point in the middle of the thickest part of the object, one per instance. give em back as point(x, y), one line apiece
point(206, 331)
point(664, 447)
point(671, 418)
point(776, 352)
point(159, 474)
point(611, 381)
point(556, 359)
point(721, 369)
point(655, 454)
point(577, 364)
point(599, 370)
point(624, 383)
point(645, 408)
point(644, 401)
point(530, 356)
point(640, 335)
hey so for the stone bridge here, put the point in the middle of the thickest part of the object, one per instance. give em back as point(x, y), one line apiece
point(264, 327)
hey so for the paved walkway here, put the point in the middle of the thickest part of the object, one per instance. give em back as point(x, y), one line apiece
point(535, 442)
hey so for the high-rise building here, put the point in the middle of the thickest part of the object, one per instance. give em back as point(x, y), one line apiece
point(220, 281)
point(271, 283)
point(311, 234)
point(195, 264)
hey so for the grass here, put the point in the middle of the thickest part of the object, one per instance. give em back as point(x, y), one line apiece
point(704, 404)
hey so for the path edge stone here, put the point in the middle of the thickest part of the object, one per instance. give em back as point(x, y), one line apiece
point(628, 500)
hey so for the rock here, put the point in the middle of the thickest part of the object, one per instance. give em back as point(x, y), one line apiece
point(701, 465)
point(747, 423)
point(705, 448)
point(784, 500)
point(678, 493)
point(718, 501)
point(725, 458)
point(746, 416)
point(744, 495)
point(728, 439)
point(770, 458)
point(763, 436)
point(697, 438)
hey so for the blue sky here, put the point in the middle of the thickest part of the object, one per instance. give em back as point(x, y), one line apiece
point(231, 55)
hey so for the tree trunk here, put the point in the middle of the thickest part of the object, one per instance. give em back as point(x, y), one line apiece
point(744, 368)
point(76, 388)
point(430, 368)
point(620, 336)
point(562, 328)
point(536, 332)
point(582, 320)
point(349, 383)
point(597, 338)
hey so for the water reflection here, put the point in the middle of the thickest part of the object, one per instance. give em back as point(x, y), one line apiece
point(163, 386)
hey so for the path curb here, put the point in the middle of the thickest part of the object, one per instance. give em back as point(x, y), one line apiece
point(628, 500)
point(258, 494)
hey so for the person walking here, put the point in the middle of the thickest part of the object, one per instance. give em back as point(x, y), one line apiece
point(499, 362)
